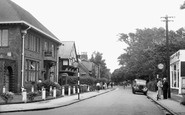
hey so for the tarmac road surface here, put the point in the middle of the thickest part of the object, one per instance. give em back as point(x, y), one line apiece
point(118, 102)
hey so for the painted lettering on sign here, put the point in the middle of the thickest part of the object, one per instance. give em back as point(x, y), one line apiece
point(175, 56)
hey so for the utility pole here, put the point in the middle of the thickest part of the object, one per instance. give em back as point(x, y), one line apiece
point(167, 53)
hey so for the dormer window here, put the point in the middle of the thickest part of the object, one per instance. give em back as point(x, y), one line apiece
point(65, 62)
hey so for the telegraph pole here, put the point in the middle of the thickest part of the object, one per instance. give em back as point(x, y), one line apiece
point(166, 20)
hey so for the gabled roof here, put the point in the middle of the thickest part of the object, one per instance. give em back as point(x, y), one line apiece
point(11, 13)
point(66, 49)
point(87, 64)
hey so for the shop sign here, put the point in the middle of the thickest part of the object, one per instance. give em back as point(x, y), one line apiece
point(175, 56)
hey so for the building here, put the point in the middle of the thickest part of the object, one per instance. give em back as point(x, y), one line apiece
point(28, 50)
point(177, 72)
point(67, 57)
point(89, 68)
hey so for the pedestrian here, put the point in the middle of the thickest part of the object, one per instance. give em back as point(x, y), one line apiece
point(159, 88)
point(98, 86)
point(105, 86)
point(111, 84)
point(165, 88)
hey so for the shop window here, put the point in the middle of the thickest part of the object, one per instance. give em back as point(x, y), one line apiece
point(175, 75)
point(182, 69)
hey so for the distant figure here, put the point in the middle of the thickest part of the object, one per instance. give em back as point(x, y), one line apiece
point(159, 86)
point(124, 84)
point(105, 86)
point(111, 84)
point(165, 88)
point(108, 85)
point(98, 86)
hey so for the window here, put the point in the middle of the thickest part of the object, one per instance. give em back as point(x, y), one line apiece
point(53, 50)
point(32, 42)
point(46, 46)
point(175, 75)
point(65, 62)
point(4, 37)
point(31, 70)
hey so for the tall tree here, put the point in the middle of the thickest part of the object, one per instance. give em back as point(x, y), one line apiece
point(147, 48)
point(97, 58)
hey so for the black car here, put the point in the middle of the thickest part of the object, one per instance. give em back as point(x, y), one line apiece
point(139, 85)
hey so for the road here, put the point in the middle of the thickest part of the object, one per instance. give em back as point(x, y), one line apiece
point(118, 102)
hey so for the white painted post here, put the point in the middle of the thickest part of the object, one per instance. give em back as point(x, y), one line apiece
point(32, 89)
point(43, 93)
point(69, 90)
point(50, 90)
point(54, 92)
point(63, 91)
point(87, 88)
point(4, 89)
point(74, 91)
point(24, 95)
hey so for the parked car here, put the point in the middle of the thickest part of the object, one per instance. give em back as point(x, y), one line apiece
point(139, 85)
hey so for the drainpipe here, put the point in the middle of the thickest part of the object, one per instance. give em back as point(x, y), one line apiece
point(57, 65)
point(23, 32)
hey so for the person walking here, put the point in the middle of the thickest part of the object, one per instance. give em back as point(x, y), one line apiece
point(159, 88)
point(98, 86)
point(165, 88)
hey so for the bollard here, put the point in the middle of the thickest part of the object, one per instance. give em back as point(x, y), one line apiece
point(63, 91)
point(69, 90)
point(88, 89)
point(78, 90)
point(24, 96)
point(4, 89)
point(54, 92)
point(74, 90)
point(32, 89)
point(50, 90)
point(43, 93)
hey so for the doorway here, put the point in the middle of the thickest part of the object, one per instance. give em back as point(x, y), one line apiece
point(8, 78)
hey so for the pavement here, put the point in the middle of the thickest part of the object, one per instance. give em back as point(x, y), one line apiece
point(51, 104)
point(171, 105)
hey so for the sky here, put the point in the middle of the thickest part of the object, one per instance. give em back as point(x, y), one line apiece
point(95, 25)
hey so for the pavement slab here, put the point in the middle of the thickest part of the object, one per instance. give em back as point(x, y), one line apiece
point(172, 105)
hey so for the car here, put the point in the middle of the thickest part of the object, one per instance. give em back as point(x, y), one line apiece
point(139, 85)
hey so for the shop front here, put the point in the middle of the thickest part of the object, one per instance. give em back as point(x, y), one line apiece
point(177, 72)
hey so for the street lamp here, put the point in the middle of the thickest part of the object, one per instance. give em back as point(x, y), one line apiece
point(78, 75)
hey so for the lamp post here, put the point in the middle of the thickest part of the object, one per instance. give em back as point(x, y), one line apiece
point(78, 75)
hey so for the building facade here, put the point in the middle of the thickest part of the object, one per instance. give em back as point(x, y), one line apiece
point(67, 57)
point(177, 72)
point(28, 50)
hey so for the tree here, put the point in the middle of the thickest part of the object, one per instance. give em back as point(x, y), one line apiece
point(146, 49)
point(97, 58)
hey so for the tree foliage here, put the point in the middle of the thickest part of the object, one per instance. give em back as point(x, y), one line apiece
point(146, 49)
point(97, 58)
